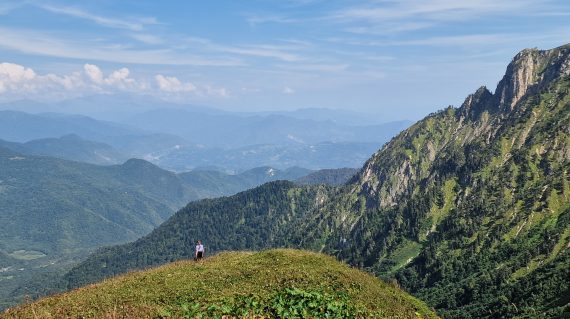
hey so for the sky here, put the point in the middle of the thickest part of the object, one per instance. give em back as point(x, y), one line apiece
point(393, 59)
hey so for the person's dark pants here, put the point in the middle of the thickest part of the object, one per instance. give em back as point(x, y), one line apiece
point(199, 255)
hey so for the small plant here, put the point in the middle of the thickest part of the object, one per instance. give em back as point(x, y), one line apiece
point(290, 303)
point(297, 303)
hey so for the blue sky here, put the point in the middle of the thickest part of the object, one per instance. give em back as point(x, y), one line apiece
point(395, 59)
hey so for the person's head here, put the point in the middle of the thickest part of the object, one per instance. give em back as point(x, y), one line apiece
point(199, 242)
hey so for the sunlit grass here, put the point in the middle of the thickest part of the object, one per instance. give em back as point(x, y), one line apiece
point(267, 282)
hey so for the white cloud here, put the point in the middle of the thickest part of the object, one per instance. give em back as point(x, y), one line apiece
point(94, 73)
point(315, 67)
point(255, 19)
point(279, 52)
point(47, 44)
point(16, 73)
point(434, 10)
point(118, 79)
point(173, 84)
point(18, 82)
point(221, 92)
point(263, 51)
point(134, 25)
point(174, 87)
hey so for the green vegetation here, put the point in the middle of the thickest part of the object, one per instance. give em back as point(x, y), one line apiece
point(328, 177)
point(268, 284)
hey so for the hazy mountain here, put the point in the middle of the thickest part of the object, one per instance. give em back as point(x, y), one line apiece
point(103, 106)
point(469, 208)
point(65, 206)
point(210, 184)
point(216, 129)
point(283, 149)
point(344, 117)
point(22, 127)
point(71, 147)
point(178, 155)
point(312, 156)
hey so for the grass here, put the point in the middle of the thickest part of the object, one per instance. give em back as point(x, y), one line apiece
point(404, 254)
point(278, 283)
point(26, 254)
point(438, 214)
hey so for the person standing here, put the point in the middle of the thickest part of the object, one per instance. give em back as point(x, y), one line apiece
point(199, 251)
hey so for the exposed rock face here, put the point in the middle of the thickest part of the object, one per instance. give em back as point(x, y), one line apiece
point(521, 74)
point(475, 104)
point(528, 71)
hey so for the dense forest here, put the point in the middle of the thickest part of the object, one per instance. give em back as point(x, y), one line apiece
point(337, 177)
point(469, 208)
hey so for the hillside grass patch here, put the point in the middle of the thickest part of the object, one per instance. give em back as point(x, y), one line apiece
point(278, 283)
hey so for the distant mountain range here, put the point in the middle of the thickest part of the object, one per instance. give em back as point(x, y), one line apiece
point(313, 156)
point(23, 127)
point(214, 129)
point(71, 147)
point(230, 142)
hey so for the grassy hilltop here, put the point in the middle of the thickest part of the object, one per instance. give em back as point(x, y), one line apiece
point(279, 283)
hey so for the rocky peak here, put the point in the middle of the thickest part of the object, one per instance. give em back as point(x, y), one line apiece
point(475, 104)
point(529, 71)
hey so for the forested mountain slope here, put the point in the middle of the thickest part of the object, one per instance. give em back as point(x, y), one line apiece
point(253, 219)
point(338, 176)
point(56, 206)
point(469, 208)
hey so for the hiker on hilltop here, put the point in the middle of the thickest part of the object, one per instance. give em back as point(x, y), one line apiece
point(199, 251)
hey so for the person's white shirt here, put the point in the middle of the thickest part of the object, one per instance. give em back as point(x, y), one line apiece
point(200, 248)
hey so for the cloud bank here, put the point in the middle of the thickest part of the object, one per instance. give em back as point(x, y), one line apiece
point(19, 82)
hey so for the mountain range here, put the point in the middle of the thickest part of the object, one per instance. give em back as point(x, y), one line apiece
point(468, 209)
point(183, 140)
point(213, 129)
